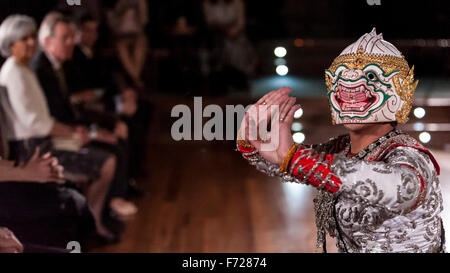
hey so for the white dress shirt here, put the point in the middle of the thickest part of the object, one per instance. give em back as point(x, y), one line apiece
point(27, 109)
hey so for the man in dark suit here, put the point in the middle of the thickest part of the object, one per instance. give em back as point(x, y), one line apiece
point(56, 38)
point(56, 92)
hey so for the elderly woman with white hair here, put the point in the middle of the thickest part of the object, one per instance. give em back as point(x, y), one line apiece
point(31, 125)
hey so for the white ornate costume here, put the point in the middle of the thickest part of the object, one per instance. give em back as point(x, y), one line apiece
point(386, 198)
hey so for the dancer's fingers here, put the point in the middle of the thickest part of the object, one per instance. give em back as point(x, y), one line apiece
point(290, 115)
point(266, 99)
point(288, 106)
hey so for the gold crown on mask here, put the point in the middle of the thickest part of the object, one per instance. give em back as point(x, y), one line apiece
point(370, 51)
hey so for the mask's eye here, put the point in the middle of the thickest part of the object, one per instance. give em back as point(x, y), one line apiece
point(371, 76)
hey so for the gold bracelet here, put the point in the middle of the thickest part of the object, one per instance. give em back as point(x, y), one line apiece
point(245, 144)
point(288, 158)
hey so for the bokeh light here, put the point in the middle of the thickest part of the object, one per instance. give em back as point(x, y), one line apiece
point(419, 112)
point(297, 127)
point(280, 61)
point(419, 126)
point(299, 42)
point(298, 113)
point(282, 70)
point(280, 52)
point(424, 137)
point(299, 138)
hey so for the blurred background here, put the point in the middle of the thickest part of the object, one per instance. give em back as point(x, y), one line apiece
point(201, 196)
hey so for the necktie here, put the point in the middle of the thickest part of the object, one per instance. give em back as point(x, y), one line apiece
point(62, 82)
point(65, 91)
point(3, 123)
point(2, 144)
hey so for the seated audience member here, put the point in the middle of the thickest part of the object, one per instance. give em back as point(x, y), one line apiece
point(56, 38)
point(9, 242)
point(42, 214)
point(38, 207)
point(88, 72)
point(32, 126)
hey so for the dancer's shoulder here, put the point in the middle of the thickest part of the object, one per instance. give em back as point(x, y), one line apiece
point(404, 143)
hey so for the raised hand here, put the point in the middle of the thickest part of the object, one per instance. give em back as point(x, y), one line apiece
point(273, 146)
point(264, 106)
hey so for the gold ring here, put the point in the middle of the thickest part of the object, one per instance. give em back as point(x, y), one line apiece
point(262, 138)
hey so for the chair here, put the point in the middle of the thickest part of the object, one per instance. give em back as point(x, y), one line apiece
point(5, 124)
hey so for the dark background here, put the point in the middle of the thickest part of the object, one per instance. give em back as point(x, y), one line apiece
point(415, 27)
point(275, 19)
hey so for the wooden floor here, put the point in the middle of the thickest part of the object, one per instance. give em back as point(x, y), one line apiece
point(206, 198)
point(203, 197)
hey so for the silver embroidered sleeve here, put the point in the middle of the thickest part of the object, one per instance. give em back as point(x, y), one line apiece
point(332, 146)
point(266, 167)
point(397, 185)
